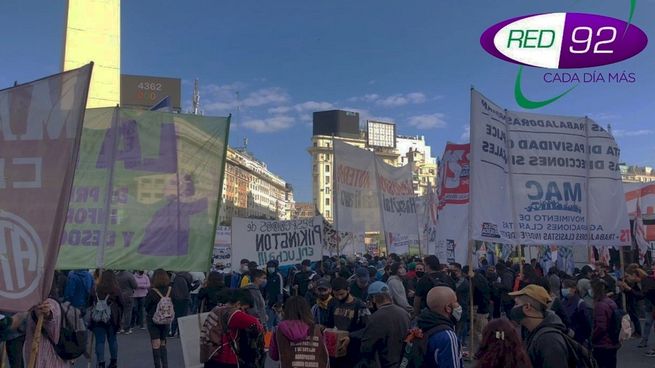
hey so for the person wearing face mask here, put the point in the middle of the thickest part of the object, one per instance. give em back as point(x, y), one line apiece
point(578, 313)
point(323, 298)
point(396, 288)
point(462, 291)
point(546, 344)
point(235, 278)
point(437, 322)
point(302, 278)
point(419, 272)
point(383, 336)
point(273, 292)
point(219, 336)
point(258, 309)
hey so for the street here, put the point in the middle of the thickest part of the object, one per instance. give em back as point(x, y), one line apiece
point(134, 352)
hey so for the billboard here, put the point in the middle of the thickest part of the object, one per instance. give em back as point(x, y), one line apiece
point(381, 134)
point(144, 91)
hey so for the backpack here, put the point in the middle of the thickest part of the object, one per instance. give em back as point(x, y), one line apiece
point(579, 355)
point(212, 332)
point(415, 347)
point(72, 333)
point(164, 314)
point(580, 320)
point(620, 327)
point(101, 312)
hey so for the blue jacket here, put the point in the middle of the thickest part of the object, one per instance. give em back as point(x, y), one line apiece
point(444, 349)
point(78, 288)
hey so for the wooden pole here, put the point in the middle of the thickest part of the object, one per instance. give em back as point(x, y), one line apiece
point(36, 342)
point(471, 247)
point(622, 260)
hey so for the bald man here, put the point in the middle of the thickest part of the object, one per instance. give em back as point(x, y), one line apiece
point(438, 324)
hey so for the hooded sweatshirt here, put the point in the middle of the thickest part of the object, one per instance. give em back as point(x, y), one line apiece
point(444, 349)
point(259, 309)
point(294, 342)
point(78, 288)
point(546, 345)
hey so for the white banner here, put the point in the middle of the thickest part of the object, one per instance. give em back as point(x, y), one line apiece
point(400, 243)
point(541, 165)
point(357, 207)
point(451, 243)
point(289, 242)
point(398, 199)
point(223, 247)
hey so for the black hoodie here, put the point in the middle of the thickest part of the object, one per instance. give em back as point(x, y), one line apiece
point(547, 348)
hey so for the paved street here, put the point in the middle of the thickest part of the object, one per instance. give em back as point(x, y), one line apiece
point(134, 352)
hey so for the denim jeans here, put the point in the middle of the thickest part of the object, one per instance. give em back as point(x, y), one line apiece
point(108, 332)
point(648, 325)
point(137, 313)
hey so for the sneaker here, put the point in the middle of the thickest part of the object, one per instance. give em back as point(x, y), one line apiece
point(121, 331)
point(650, 353)
point(642, 345)
point(128, 332)
point(142, 327)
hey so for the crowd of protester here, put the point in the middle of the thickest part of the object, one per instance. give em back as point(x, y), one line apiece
point(363, 312)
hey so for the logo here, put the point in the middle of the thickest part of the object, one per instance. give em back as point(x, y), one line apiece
point(21, 257)
point(565, 41)
point(490, 230)
point(553, 197)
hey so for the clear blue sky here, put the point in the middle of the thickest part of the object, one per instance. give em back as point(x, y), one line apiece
point(409, 62)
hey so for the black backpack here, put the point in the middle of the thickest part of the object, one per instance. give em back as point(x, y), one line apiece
point(72, 333)
point(579, 356)
point(415, 347)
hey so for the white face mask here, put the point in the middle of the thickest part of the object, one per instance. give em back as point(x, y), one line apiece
point(457, 313)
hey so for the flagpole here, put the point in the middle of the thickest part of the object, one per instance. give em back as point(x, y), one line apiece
point(335, 196)
point(381, 204)
point(588, 158)
point(471, 244)
point(36, 341)
point(515, 222)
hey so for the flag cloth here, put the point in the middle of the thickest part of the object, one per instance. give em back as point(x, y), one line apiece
point(146, 191)
point(40, 128)
point(640, 234)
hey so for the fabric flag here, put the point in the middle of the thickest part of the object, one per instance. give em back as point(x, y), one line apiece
point(429, 223)
point(640, 234)
point(357, 207)
point(451, 243)
point(544, 179)
point(146, 191)
point(40, 128)
point(644, 195)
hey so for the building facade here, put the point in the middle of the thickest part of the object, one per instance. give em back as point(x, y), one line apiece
point(636, 174)
point(251, 190)
point(344, 126)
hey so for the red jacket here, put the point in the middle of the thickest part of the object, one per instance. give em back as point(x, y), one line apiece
point(239, 320)
point(603, 310)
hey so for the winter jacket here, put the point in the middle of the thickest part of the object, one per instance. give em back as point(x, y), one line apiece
point(210, 297)
point(274, 290)
point(182, 286)
point(295, 342)
point(237, 323)
point(259, 309)
point(78, 288)
point(481, 293)
point(579, 315)
point(142, 285)
point(398, 292)
point(444, 350)
point(603, 310)
point(320, 311)
point(384, 334)
point(546, 345)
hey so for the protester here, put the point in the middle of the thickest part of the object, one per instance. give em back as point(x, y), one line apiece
point(433, 277)
point(221, 331)
point(46, 357)
point(12, 334)
point(78, 289)
point(546, 344)
point(359, 286)
point(181, 296)
point(578, 313)
point(554, 282)
point(501, 347)
point(236, 276)
point(396, 287)
point(648, 288)
point(633, 295)
point(584, 285)
point(438, 325)
point(258, 278)
point(320, 310)
point(106, 317)
point(505, 286)
point(198, 279)
point(247, 277)
point(462, 290)
point(273, 292)
point(210, 295)
point(127, 283)
point(158, 332)
point(604, 349)
point(301, 279)
point(142, 287)
point(481, 305)
point(382, 338)
point(347, 313)
point(298, 340)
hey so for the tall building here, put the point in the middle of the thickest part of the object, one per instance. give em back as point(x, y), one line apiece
point(636, 174)
point(380, 137)
point(251, 190)
point(93, 33)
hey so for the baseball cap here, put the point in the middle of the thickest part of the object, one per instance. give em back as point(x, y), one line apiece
point(535, 292)
point(323, 283)
point(378, 287)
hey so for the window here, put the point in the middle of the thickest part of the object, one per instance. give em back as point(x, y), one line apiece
point(327, 201)
point(327, 213)
point(327, 168)
point(327, 180)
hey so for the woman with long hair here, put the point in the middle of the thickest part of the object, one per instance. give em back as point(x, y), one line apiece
point(297, 339)
point(501, 347)
point(210, 294)
point(106, 316)
point(161, 286)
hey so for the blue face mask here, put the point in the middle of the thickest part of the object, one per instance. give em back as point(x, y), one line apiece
point(566, 293)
